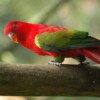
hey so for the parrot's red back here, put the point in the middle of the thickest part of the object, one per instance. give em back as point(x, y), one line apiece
point(26, 27)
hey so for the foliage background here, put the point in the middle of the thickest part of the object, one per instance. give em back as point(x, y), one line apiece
point(73, 14)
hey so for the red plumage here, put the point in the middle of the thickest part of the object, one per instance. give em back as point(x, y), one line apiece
point(93, 54)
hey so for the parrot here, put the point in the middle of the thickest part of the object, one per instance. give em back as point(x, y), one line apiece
point(55, 41)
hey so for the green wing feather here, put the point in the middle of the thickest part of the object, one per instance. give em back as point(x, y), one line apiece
point(65, 40)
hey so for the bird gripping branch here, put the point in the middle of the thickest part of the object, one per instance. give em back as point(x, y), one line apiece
point(54, 41)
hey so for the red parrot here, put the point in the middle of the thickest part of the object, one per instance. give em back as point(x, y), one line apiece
point(54, 41)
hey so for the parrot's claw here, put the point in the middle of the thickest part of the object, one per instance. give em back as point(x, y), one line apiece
point(54, 63)
point(86, 63)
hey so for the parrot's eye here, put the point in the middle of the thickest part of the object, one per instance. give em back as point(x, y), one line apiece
point(14, 26)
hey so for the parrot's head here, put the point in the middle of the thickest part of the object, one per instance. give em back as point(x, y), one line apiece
point(16, 30)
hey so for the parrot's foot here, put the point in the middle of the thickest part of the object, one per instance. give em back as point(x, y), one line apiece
point(84, 63)
point(54, 63)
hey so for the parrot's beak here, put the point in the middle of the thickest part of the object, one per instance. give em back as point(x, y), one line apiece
point(13, 37)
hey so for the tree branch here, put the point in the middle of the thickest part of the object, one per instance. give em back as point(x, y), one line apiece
point(49, 80)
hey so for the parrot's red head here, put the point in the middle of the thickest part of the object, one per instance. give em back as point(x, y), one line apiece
point(9, 30)
point(16, 30)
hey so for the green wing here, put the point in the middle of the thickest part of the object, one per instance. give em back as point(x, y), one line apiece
point(65, 40)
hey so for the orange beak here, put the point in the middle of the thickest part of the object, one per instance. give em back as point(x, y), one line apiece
point(13, 37)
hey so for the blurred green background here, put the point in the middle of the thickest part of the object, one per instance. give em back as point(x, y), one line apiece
point(73, 14)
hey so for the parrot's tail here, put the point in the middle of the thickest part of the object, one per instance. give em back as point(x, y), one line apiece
point(93, 54)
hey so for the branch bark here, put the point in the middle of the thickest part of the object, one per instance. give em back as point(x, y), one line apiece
point(49, 80)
